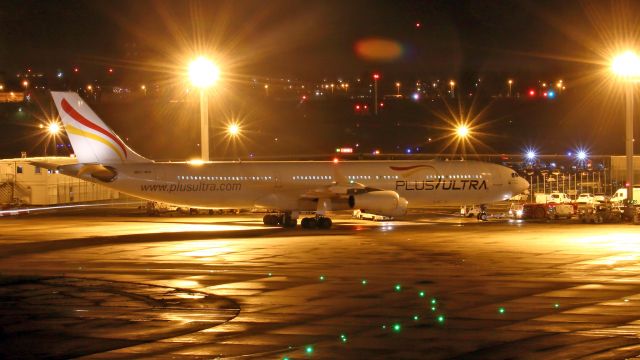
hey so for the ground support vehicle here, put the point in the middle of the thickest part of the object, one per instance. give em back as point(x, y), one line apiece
point(600, 213)
point(547, 211)
point(367, 216)
point(557, 211)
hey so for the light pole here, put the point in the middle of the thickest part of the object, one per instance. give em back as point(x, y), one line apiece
point(510, 82)
point(627, 67)
point(452, 84)
point(203, 73)
point(398, 88)
point(375, 91)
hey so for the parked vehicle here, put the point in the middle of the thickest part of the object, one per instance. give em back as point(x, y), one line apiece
point(600, 213)
point(558, 198)
point(585, 198)
point(557, 211)
point(551, 211)
point(621, 195)
point(516, 211)
point(599, 198)
point(470, 211)
point(367, 216)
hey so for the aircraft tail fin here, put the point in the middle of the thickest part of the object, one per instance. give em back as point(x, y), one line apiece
point(92, 140)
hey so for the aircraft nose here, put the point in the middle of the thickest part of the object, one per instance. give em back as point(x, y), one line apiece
point(523, 185)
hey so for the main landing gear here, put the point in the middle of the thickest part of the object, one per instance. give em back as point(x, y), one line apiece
point(284, 220)
point(287, 221)
point(318, 222)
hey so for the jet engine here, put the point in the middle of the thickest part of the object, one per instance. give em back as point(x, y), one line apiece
point(383, 202)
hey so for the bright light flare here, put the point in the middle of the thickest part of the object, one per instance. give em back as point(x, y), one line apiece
point(53, 128)
point(626, 65)
point(581, 155)
point(203, 73)
point(531, 155)
point(462, 131)
point(233, 129)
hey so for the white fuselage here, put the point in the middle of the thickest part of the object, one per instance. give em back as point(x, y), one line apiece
point(284, 185)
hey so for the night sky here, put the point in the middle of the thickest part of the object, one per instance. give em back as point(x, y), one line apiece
point(307, 39)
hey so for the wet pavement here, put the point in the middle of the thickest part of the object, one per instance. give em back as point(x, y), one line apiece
point(130, 287)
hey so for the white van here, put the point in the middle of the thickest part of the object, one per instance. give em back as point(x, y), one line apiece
point(621, 195)
point(558, 198)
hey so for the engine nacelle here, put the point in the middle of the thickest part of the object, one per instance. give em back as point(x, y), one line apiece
point(386, 202)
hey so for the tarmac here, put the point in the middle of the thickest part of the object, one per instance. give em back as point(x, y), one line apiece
point(434, 286)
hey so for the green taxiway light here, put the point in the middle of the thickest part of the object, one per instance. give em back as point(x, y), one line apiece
point(309, 349)
point(364, 282)
point(343, 338)
point(433, 308)
point(321, 277)
point(416, 317)
point(441, 319)
point(398, 287)
point(421, 294)
point(285, 358)
point(384, 327)
point(501, 310)
point(397, 327)
point(433, 301)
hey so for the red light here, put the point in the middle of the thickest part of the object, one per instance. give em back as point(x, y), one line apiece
point(366, 107)
point(381, 104)
point(28, 70)
point(357, 107)
point(304, 97)
point(418, 25)
point(110, 71)
point(544, 94)
point(335, 160)
point(376, 76)
point(76, 69)
point(532, 93)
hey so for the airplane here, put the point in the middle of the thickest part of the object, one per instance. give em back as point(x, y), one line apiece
point(286, 188)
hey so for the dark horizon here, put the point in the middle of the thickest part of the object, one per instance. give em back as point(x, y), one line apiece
point(307, 40)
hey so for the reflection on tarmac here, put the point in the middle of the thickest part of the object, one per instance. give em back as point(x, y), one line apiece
point(227, 286)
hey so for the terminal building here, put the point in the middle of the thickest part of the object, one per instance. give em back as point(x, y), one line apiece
point(22, 183)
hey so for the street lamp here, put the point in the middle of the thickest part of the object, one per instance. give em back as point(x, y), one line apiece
point(375, 90)
point(627, 67)
point(398, 87)
point(203, 74)
point(452, 84)
point(510, 82)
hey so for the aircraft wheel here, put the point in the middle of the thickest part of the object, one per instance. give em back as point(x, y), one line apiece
point(270, 219)
point(308, 223)
point(483, 217)
point(324, 223)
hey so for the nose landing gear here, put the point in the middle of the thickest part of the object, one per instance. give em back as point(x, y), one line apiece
point(482, 215)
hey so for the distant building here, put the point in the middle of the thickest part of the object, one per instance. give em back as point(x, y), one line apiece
point(619, 169)
point(11, 96)
point(22, 183)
